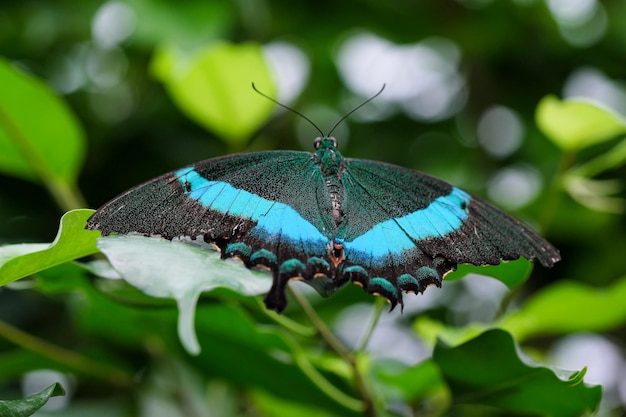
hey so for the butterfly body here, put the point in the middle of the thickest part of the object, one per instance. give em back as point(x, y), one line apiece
point(325, 219)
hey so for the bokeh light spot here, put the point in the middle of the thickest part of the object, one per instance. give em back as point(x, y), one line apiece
point(290, 67)
point(514, 187)
point(422, 79)
point(500, 131)
point(113, 23)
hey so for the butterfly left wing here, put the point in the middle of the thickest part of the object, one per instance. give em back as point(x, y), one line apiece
point(404, 230)
point(266, 208)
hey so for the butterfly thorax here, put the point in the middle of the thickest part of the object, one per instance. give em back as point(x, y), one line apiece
point(332, 164)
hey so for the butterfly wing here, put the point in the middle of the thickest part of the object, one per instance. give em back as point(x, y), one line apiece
point(404, 230)
point(266, 208)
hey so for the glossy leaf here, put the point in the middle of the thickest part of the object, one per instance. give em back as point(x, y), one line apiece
point(213, 87)
point(162, 268)
point(567, 307)
point(72, 242)
point(488, 371)
point(40, 138)
point(576, 124)
point(29, 405)
point(510, 273)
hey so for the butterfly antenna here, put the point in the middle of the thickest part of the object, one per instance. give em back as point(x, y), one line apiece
point(356, 108)
point(288, 108)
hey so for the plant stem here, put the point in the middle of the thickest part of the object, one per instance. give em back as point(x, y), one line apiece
point(379, 305)
point(66, 196)
point(567, 159)
point(342, 351)
point(286, 322)
point(64, 356)
point(321, 327)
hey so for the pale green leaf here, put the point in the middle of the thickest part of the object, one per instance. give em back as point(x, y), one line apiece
point(29, 405)
point(510, 273)
point(72, 242)
point(213, 87)
point(575, 124)
point(601, 195)
point(431, 330)
point(162, 268)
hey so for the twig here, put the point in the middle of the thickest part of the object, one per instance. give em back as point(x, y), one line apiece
point(64, 356)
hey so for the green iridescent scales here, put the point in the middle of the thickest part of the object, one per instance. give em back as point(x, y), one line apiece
point(325, 219)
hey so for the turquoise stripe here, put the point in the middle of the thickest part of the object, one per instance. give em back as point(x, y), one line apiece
point(444, 215)
point(273, 219)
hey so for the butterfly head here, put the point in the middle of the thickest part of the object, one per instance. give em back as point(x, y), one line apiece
point(326, 142)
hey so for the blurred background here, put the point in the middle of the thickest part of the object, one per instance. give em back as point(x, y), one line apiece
point(463, 81)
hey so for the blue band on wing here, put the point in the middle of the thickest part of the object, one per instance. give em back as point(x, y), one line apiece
point(273, 220)
point(444, 215)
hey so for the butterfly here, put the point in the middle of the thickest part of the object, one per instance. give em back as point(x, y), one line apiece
point(325, 219)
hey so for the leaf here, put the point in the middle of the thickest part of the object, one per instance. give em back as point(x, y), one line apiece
point(241, 350)
point(213, 87)
point(510, 273)
point(567, 307)
point(576, 124)
point(40, 138)
point(72, 242)
point(431, 330)
point(488, 371)
point(269, 405)
point(29, 405)
point(414, 383)
point(162, 268)
point(602, 195)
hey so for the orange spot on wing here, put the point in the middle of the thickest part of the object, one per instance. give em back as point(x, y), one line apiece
point(336, 254)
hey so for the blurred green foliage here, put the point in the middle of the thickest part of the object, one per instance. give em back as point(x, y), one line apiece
point(146, 86)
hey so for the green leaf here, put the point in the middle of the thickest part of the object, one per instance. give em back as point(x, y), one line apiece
point(414, 383)
point(601, 195)
point(213, 87)
point(29, 405)
point(72, 242)
point(269, 405)
point(488, 371)
point(576, 124)
point(162, 268)
point(40, 138)
point(241, 350)
point(604, 194)
point(432, 330)
point(567, 307)
point(510, 273)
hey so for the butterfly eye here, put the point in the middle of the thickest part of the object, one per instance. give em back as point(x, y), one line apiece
point(317, 142)
point(333, 140)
